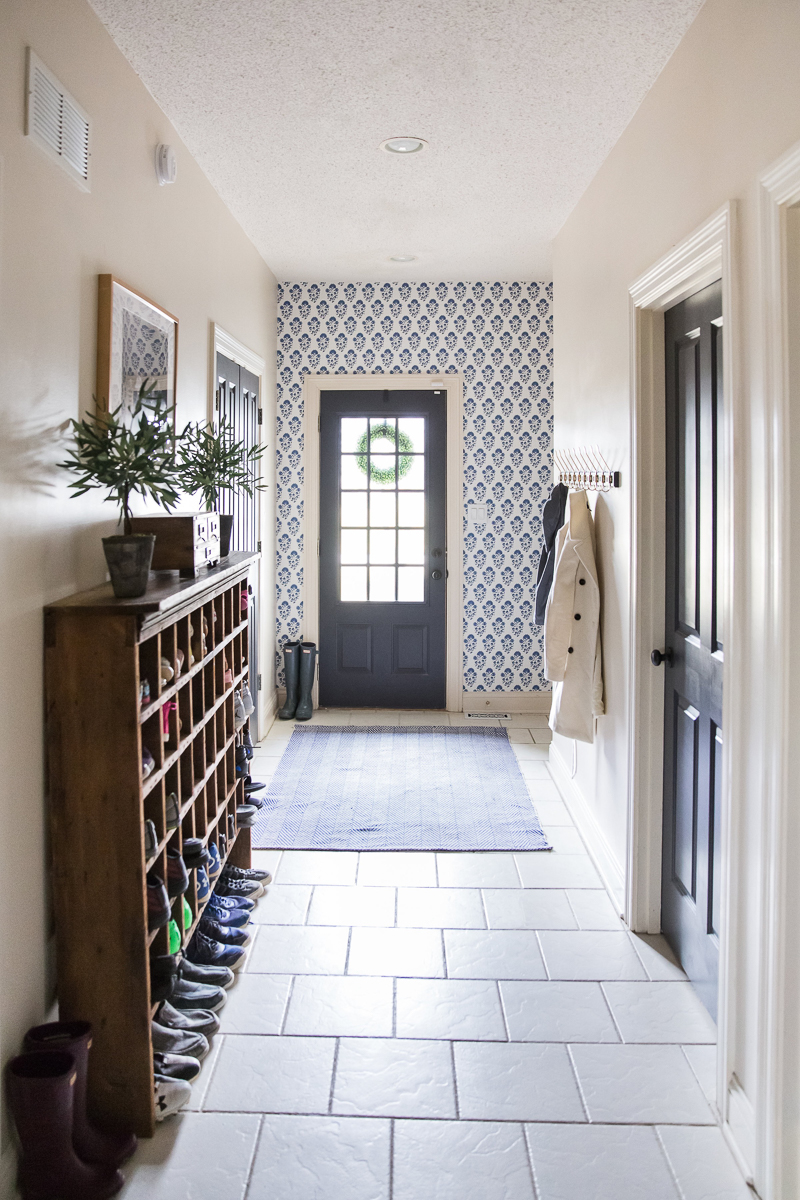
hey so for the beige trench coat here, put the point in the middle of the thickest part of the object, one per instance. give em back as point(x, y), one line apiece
point(572, 654)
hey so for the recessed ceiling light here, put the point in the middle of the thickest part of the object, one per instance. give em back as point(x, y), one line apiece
point(403, 258)
point(404, 145)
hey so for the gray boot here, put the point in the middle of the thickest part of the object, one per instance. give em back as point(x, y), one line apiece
point(308, 662)
point(291, 666)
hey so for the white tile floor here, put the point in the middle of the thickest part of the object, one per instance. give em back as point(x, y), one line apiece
point(448, 1027)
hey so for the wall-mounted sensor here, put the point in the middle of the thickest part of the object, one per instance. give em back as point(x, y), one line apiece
point(166, 164)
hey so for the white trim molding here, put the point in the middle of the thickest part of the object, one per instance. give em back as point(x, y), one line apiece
point(221, 342)
point(313, 386)
point(608, 866)
point(777, 1170)
point(703, 257)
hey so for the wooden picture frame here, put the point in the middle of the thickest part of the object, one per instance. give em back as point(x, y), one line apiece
point(137, 339)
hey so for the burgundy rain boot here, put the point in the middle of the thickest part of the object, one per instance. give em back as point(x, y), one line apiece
point(41, 1089)
point(75, 1038)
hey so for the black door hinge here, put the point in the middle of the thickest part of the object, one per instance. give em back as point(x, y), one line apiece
point(258, 683)
point(261, 416)
point(258, 547)
point(216, 400)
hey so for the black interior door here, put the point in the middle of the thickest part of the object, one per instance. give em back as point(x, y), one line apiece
point(693, 697)
point(382, 551)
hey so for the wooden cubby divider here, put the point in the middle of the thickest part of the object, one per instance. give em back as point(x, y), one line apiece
point(98, 651)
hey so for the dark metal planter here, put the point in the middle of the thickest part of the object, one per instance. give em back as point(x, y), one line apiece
point(129, 557)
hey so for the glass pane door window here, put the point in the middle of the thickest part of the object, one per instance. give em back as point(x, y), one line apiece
point(382, 509)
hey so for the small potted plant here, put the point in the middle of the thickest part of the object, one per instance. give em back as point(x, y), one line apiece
point(210, 461)
point(127, 453)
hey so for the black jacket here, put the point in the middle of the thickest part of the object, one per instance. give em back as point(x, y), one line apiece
point(552, 520)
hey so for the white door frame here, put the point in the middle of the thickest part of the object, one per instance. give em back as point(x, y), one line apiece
point(776, 1165)
point(703, 257)
point(313, 385)
point(224, 343)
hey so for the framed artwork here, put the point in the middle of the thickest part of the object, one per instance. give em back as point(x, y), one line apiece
point(137, 340)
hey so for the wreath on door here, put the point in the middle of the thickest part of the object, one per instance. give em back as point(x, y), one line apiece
point(400, 441)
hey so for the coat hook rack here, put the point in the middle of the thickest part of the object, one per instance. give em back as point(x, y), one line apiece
point(584, 469)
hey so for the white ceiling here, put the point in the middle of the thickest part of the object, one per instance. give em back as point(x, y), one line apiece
point(284, 104)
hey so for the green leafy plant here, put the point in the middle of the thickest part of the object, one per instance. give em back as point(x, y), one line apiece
point(127, 452)
point(210, 461)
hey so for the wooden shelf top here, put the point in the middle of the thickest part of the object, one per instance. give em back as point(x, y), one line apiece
point(166, 590)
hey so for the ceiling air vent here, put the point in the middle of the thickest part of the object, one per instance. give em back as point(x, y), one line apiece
point(56, 122)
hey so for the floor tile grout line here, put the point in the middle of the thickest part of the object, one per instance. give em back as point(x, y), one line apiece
point(648, 976)
point(614, 1021)
point(455, 1080)
point(251, 1168)
point(673, 1173)
point(541, 952)
point(285, 1016)
point(396, 905)
point(529, 1156)
point(394, 1007)
point(436, 869)
point(444, 956)
point(502, 1009)
point(391, 1158)
point(333, 1076)
point(578, 1083)
point(311, 891)
point(347, 952)
point(213, 1072)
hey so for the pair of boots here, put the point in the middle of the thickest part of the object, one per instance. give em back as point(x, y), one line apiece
point(299, 661)
point(63, 1155)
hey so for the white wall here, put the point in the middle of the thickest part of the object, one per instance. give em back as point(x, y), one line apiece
point(177, 244)
point(726, 105)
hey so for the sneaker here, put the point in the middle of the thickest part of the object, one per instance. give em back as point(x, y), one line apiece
point(195, 1020)
point(247, 701)
point(210, 953)
point(170, 1095)
point(242, 769)
point(178, 1041)
point(233, 902)
point(203, 884)
point(226, 934)
point(150, 839)
point(231, 872)
point(239, 887)
point(177, 875)
point(157, 902)
point(239, 712)
point(148, 763)
point(188, 996)
point(218, 976)
point(144, 693)
point(176, 1066)
point(237, 918)
point(246, 815)
point(173, 811)
point(215, 866)
point(247, 742)
point(174, 937)
point(166, 672)
point(195, 853)
point(188, 915)
point(252, 785)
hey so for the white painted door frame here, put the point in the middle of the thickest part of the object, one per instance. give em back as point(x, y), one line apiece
point(703, 257)
point(224, 343)
point(777, 1170)
point(313, 385)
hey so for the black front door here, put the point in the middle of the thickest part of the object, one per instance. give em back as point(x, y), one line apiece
point(690, 899)
point(382, 554)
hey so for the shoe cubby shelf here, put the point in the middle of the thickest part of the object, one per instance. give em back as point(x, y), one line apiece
point(98, 653)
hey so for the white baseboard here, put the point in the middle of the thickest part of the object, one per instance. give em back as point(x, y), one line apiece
point(267, 707)
point(739, 1130)
point(511, 702)
point(600, 852)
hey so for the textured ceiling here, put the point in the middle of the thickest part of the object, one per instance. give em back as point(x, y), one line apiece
point(284, 104)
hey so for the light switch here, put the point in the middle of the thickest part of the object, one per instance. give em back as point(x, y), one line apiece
point(476, 514)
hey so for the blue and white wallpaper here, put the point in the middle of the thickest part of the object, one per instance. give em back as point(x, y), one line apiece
point(500, 337)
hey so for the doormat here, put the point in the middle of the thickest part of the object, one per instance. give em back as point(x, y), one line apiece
point(416, 787)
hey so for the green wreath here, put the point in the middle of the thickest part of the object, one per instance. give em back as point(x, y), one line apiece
point(403, 443)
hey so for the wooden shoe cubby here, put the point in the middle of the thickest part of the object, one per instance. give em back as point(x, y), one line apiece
point(97, 652)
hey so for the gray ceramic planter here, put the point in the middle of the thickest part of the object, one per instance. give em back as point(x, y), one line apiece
point(129, 557)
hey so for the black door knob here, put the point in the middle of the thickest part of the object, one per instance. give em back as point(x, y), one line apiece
point(659, 656)
point(436, 574)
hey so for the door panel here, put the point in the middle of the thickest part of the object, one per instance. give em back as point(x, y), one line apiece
point(382, 550)
point(693, 678)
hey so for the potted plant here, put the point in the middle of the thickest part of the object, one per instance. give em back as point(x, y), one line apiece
point(127, 453)
point(210, 461)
